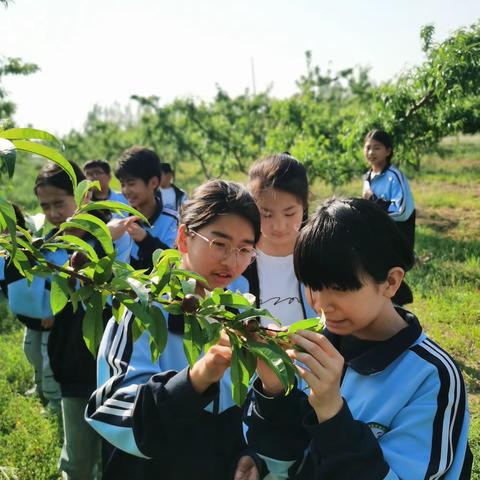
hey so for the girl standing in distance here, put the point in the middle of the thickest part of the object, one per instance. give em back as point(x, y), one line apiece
point(279, 185)
point(384, 401)
point(165, 419)
point(386, 185)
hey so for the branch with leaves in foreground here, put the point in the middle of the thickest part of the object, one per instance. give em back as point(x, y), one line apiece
point(93, 282)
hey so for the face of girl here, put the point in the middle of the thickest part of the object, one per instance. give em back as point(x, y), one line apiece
point(200, 256)
point(376, 154)
point(281, 214)
point(56, 203)
point(365, 313)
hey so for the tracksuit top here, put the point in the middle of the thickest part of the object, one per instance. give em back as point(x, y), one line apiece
point(73, 365)
point(391, 190)
point(161, 233)
point(405, 416)
point(160, 426)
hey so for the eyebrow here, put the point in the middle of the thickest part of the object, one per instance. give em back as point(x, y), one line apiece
point(228, 237)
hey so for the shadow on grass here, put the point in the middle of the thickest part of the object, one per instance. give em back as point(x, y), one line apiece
point(471, 376)
point(444, 262)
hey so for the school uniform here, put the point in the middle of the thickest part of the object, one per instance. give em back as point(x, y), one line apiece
point(160, 427)
point(35, 339)
point(392, 192)
point(173, 197)
point(161, 233)
point(405, 416)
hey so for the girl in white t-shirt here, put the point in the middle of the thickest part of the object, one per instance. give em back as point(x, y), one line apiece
point(279, 185)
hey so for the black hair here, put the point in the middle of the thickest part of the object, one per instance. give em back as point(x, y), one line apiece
point(283, 172)
point(219, 197)
point(104, 165)
point(138, 162)
point(53, 175)
point(384, 138)
point(166, 168)
point(346, 239)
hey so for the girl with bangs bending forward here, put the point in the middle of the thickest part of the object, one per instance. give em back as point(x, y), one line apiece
point(383, 400)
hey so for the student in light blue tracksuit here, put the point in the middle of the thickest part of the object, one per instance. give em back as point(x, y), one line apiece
point(383, 400)
point(100, 170)
point(72, 363)
point(165, 419)
point(139, 172)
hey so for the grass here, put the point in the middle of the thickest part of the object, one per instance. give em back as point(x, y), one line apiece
point(445, 281)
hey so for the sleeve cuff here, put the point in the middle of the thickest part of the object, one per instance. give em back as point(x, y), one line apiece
point(337, 432)
point(183, 398)
point(272, 408)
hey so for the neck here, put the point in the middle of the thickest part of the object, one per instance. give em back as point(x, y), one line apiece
point(275, 250)
point(388, 324)
point(378, 168)
point(101, 195)
point(148, 209)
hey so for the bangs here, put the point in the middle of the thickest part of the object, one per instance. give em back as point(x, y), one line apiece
point(325, 256)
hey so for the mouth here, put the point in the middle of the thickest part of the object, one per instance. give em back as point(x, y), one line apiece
point(222, 278)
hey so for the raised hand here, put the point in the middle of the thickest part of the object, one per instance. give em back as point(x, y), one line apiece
point(323, 373)
point(210, 368)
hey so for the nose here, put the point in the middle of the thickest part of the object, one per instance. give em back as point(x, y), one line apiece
point(230, 259)
point(323, 301)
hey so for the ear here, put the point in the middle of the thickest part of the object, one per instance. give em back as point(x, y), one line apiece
point(154, 182)
point(392, 283)
point(182, 236)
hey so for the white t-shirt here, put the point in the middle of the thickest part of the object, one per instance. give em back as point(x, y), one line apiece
point(279, 288)
point(168, 198)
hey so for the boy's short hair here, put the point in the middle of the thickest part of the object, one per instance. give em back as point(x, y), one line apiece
point(346, 239)
point(166, 168)
point(104, 165)
point(138, 162)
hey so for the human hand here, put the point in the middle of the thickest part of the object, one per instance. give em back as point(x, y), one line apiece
point(246, 469)
point(135, 230)
point(210, 368)
point(323, 373)
point(271, 384)
point(117, 227)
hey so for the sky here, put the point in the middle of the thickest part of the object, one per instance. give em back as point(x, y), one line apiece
point(103, 51)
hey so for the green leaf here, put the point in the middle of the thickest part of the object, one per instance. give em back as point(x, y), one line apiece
point(94, 226)
point(255, 312)
point(277, 360)
point(8, 220)
point(240, 376)
point(82, 189)
point(158, 332)
point(140, 289)
point(113, 206)
point(59, 294)
point(29, 133)
point(8, 156)
point(50, 153)
point(81, 245)
point(188, 286)
point(93, 322)
point(314, 324)
point(191, 336)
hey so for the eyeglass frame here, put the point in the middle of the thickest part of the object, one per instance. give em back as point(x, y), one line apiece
point(232, 249)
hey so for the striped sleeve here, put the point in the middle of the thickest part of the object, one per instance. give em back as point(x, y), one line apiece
point(119, 376)
point(401, 206)
point(449, 426)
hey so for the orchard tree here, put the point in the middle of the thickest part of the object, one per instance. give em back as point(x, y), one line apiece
point(93, 281)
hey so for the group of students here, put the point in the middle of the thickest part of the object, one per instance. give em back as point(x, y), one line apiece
point(374, 397)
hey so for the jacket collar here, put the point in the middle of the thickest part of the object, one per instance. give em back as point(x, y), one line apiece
point(368, 357)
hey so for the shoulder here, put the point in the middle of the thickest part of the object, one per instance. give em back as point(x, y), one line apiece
point(240, 284)
point(169, 213)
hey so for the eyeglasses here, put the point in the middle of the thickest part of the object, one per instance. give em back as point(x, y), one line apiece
point(222, 249)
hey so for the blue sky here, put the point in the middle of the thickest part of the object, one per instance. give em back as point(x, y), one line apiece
point(103, 51)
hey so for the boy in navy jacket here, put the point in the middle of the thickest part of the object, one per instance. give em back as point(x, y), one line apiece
point(139, 172)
